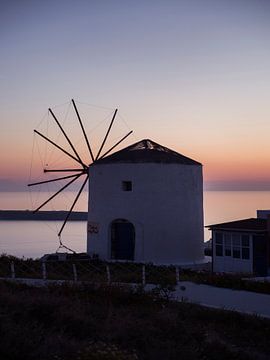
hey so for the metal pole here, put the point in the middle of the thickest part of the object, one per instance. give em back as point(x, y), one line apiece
point(84, 133)
point(74, 202)
point(177, 274)
point(123, 138)
point(65, 135)
point(108, 274)
point(64, 170)
point(109, 129)
point(60, 148)
point(50, 198)
point(12, 268)
point(75, 272)
point(44, 271)
point(143, 275)
point(51, 180)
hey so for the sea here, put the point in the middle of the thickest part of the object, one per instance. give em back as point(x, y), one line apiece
point(36, 238)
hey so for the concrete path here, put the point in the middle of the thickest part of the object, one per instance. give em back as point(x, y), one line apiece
point(228, 299)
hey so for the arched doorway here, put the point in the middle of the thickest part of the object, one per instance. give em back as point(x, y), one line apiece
point(122, 240)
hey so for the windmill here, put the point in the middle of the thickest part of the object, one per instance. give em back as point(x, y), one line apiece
point(82, 170)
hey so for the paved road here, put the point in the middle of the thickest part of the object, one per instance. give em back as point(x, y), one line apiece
point(237, 300)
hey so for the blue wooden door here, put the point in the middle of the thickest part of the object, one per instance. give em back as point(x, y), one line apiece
point(122, 240)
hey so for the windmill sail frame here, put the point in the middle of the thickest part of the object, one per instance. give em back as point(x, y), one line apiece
point(84, 170)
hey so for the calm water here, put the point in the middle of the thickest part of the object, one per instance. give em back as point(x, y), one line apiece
point(35, 238)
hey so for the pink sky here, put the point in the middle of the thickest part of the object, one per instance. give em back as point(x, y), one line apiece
point(191, 75)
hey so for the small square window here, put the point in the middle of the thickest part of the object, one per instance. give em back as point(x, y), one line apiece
point(219, 250)
point(127, 185)
point(219, 238)
point(245, 240)
point(236, 252)
point(228, 251)
point(236, 240)
point(245, 253)
point(228, 244)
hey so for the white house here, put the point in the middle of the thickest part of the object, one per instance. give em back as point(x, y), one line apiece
point(146, 205)
point(242, 246)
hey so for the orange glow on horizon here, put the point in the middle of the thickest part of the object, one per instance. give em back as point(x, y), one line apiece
point(18, 168)
point(220, 163)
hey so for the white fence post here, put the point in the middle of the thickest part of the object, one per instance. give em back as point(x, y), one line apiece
point(44, 271)
point(75, 272)
point(108, 274)
point(143, 275)
point(177, 274)
point(12, 268)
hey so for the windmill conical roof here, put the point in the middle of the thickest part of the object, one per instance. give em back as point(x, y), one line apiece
point(147, 151)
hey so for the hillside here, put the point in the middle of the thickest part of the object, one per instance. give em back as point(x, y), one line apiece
point(42, 215)
point(72, 322)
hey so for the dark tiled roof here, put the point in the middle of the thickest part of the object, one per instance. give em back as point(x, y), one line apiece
point(147, 151)
point(251, 224)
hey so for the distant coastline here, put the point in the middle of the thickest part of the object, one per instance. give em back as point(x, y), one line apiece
point(12, 186)
point(28, 215)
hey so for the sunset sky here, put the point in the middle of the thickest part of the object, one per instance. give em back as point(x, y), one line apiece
point(193, 75)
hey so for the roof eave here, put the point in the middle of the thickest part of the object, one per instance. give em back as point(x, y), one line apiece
point(236, 230)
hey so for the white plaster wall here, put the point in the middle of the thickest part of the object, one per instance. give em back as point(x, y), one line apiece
point(165, 206)
point(228, 264)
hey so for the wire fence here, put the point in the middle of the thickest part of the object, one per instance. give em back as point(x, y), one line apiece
point(94, 271)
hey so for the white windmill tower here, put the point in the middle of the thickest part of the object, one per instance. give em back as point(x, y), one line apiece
point(146, 205)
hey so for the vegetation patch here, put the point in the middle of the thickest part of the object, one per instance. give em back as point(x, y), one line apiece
point(90, 322)
point(230, 281)
point(97, 271)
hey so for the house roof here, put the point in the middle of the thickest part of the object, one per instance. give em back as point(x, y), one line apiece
point(147, 151)
point(251, 224)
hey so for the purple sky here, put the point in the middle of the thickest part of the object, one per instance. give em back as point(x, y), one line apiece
point(192, 75)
